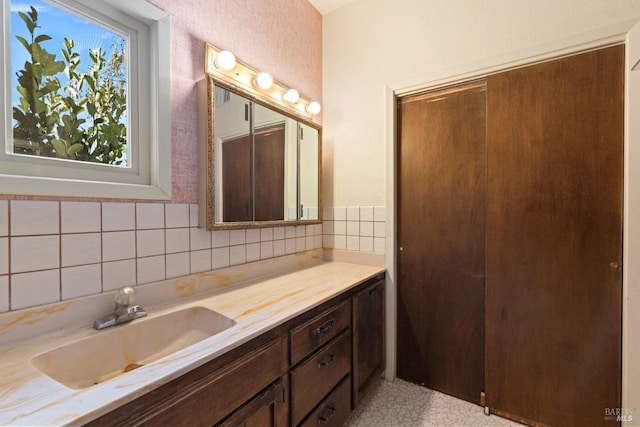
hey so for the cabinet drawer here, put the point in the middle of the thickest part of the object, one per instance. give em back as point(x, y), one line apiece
point(208, 399)
point(314, 378)
point(319, 330)
point(334, 409)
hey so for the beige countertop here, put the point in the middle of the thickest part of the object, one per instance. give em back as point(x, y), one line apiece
point(257, 296)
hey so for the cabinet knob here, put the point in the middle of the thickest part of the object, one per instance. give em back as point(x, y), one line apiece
point(401, 249)
point(614, 266)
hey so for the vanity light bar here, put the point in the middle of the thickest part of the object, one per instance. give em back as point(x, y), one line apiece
point(255, 82)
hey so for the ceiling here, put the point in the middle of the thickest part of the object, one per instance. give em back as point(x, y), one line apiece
point(326, 6)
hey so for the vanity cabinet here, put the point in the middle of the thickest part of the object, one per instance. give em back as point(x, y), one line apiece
point(210, 393)
point(327, 340)
point(368, 336)
point(299, 373)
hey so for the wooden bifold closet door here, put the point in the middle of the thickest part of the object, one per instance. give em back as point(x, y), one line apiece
point(554, 239)
point(510, 240)
point(441, 205)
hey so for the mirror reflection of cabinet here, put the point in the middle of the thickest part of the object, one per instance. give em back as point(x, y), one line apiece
point(259, 166)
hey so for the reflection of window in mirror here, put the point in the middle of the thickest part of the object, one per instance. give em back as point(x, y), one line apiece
point(308, 149)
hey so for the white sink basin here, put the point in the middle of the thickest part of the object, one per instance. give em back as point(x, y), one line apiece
point(120, 349)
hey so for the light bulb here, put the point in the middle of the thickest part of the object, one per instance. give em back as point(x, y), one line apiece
point(314, 108)
point(291, 96)
point(264, 81)
point(225, 60)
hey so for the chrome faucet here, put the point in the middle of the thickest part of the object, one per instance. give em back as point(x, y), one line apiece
point(125, 310)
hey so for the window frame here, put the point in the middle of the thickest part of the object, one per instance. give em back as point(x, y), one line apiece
point(149, 114)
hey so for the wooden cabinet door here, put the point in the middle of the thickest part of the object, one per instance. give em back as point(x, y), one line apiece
point(441, 223)
point(368, 336)
point(265, 410)
point(554, 227)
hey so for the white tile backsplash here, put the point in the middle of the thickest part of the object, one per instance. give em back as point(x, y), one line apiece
point(81, 281)
point(178, 264)
point(79, 249)
point(278, 233)
point(34, 253)
point(220, 258)
point(237, 254)
point(379, 213)
point(279, 248)
point(290, 246)
point(118, 216)
point(176, 215)
point(366, 244)
point(237, 237)
point(4, 255)
point(149, 215)
point(353, 213)
point(355, 228)
point(340, 242)
point(353, 243)
point(151, 269)
point(200, 261)
point(29, 217)
point(35, 288)
point(118, 245)
point(4, 293)
point(327, 213)
point(266, 234)
point(118, 274)
point(340, 213)
point(366, 213)
point(4, 218)
point(301, 244)
point(220, 238)
point(266, 250)
point(366, 228)
point(253, 252)
point(200, 239)
point(80, 217)
point(52, 250)
point(193, 215)
point(177, 240)
point(150, 242)
point(253, 235)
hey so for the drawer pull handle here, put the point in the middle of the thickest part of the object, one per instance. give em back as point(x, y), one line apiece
point(377, 290)
point(328, 413)
point(326, 361)
point(326, 326)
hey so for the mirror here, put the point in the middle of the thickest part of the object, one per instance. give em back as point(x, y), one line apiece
point(259, 166)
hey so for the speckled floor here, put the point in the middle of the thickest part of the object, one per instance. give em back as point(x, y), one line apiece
point(399, 403)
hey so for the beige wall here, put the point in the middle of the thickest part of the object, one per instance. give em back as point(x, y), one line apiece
point(371, 49)
point(370, 44)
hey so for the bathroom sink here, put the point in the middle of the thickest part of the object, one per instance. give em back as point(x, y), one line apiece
point(120, 349)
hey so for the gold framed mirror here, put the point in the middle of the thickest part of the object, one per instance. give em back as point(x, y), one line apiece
point(259, 163)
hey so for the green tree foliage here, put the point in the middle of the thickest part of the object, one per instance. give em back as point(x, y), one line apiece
point(84, 120)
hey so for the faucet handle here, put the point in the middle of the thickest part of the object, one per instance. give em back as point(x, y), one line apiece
point(125, 296)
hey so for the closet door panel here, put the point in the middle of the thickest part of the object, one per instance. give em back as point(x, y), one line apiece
point(554, 227)
point(441, 211)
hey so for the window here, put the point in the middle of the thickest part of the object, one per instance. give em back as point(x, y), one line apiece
point(86, 108)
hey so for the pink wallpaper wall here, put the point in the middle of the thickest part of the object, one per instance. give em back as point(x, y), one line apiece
point(283, 37)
